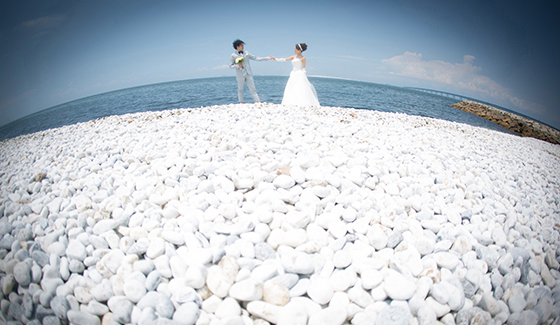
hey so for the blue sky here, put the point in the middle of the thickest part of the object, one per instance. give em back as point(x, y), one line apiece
point(503, 52)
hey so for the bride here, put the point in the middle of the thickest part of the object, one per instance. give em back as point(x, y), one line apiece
point(299, 91)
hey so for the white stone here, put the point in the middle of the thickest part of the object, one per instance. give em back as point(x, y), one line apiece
point(287, 279)
point(82, 294)
point(426, 315)
point(342, 259)
point(461, 245)
point(390, 314)
point(230, 267)
point(265, 271)
point(275, 293)
point(329, 316)
point(76, 250)
point(446, 260)
point(187, 313)
point(307, 188)
point(161, 264)
point(294, 237)
point(229, 307)
point(342, 279)
point(297, 262)
point(320, 290)
point(439, 309)
point(338, 229)
point(264, 310)
point(160, 302)
point(22, 273)
point(218, 282)
point(80, 317)
point(103, 291)
point(246, 290)
point(195, 276)
point(516, 303)
point(377, 237)
point(424, 244)
point(284, 181)
point(227, 210)
point(489, 304)
point(371, 278)
point(456, 295)
point(210, 304)
point(398, 287)
point(409, 258)
point(104, 226)
point(198, 256)
point(359, 296)
point(156, 248)
point(440, 293)
point(173, 237)
point(113, 260)
point(475, 277)
point(182, 294)
point(96, 308)
point(300, 288)
point(364, 318)
point(134, 290)
point(293, 313)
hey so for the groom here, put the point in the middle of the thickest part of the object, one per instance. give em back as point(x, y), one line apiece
point(243, 69)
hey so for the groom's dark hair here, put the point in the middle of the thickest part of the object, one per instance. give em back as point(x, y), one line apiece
point(236, 43)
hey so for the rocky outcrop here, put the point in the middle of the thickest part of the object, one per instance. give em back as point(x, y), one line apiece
point(518, 124)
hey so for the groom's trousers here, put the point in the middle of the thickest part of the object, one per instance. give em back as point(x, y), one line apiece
point(247, 78)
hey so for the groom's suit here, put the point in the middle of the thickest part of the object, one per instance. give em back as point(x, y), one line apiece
point(245, 74)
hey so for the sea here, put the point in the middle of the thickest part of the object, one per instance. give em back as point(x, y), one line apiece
point(223, 90)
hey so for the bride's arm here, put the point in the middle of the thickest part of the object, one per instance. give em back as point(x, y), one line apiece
point(286, 59)
point(303, 62)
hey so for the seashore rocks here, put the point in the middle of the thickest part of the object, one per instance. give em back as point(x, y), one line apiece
point(267, 214)
point(513, 122)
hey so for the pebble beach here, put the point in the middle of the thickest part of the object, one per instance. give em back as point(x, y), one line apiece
point(253, 214)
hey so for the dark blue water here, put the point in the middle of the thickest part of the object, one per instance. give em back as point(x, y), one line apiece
point(219, 91)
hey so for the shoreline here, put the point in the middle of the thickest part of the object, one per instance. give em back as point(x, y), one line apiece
point(270, 214)
point(520, 125)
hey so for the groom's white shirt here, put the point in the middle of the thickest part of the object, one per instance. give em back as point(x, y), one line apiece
point(246, 66)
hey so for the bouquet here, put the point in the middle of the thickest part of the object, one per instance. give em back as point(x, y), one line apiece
point(240, 60)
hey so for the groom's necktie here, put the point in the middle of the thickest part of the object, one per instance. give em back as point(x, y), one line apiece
point(240, 52)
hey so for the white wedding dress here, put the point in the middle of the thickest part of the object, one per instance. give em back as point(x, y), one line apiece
point(299, 91)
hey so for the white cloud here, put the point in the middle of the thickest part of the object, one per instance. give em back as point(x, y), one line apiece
point(464, 76)
point(468, 58)
point(485, 85)
point(411, 65)
point(43, 22)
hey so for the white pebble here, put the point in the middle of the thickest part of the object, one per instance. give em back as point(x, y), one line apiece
point(246, 290)
point(295, 216)
point(398, 287)
point(320, 291)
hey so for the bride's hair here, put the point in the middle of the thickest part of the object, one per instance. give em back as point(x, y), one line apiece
point(301, 46)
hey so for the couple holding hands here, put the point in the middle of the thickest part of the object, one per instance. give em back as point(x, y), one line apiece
point(299, 91)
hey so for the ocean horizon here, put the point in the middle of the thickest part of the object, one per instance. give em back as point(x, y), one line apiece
point(190, 93)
